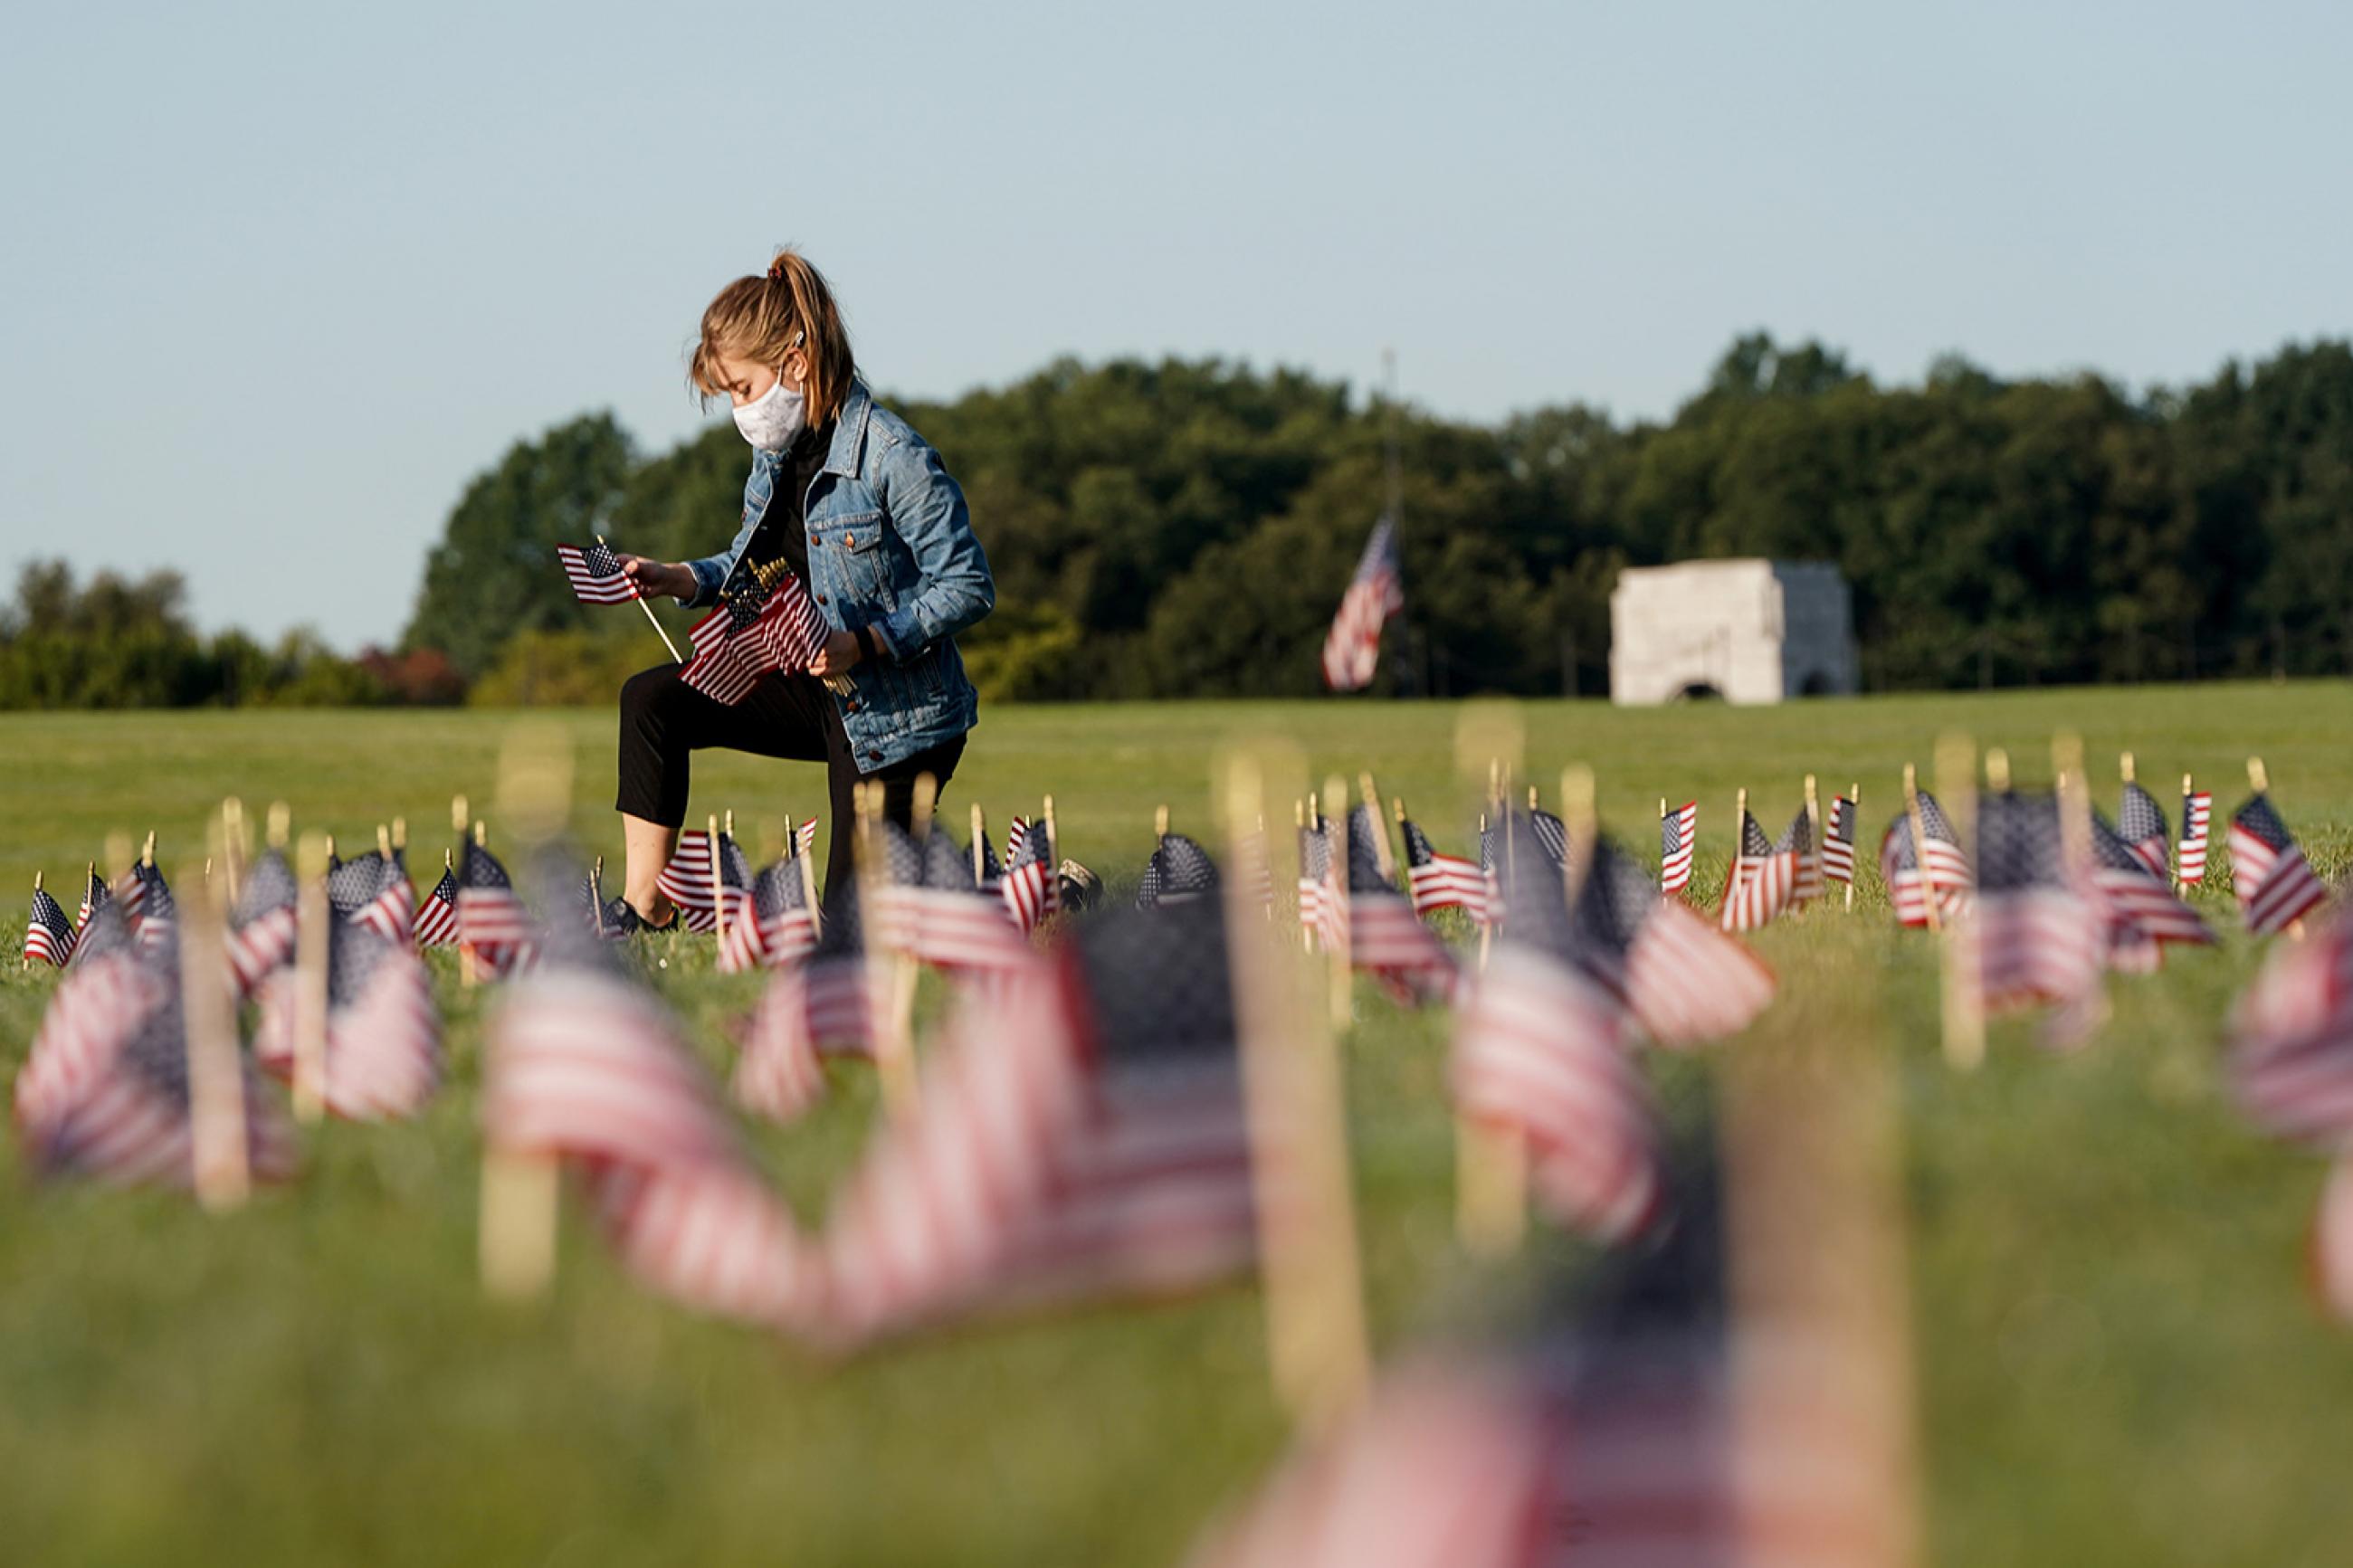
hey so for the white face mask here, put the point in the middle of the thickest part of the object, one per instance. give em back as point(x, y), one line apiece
point(773, 420)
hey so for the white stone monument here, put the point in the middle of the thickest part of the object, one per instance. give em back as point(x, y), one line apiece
point(1747, 631)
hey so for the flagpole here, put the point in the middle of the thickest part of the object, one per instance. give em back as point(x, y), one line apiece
point(1855, 827)
point(1964, 991)
point(1814, 831)
point(217, 1131)
point(311, 919)
point(1739, 848)
point(639, 595)
point(1308, 1258)
point(2189, 787)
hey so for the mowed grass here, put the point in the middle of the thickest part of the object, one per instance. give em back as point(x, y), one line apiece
point(2118, 1357)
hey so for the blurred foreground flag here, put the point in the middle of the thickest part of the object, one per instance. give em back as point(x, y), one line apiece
point(2036, 936)
point(1080, 1136)
point(1352, 650)
point(383, 1036)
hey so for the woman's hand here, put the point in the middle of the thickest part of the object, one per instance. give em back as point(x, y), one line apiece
point(671, 578)
point(839, 652)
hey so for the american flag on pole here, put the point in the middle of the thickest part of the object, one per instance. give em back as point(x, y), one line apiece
point(94, 897)
point(596, 573)
point(925, 904)
point(373, 891)
point(492, 919)
point(2276, 886)
point(1321, 912)
point(435, 924)
point(1797, 838)
point(686, 880)
point(2292, 1039)
point(2140, 823)
point(778, 926)
point(104, 1089)
point(1838, 841)
point(585, 1066)
point(1678, 830)
point(1947, 868)
point(1179, 872)
point(2197, 816)
point(753, 633)
point(1762, 881)
point(148, 905)
point(1539, 1046)
point(2143, 915)
point(1683, 980)
point(1352, 650)
point(1442, 881)
point(261, 928)
point(1031, 887)
point(384, 1035)
point(1087, 1140)
point(1386, 936)
point(2037, 938)
point(48, 933)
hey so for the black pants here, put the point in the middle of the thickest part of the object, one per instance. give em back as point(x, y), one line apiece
point(787, 715)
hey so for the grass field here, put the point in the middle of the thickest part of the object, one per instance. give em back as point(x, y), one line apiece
point(2119, 1360)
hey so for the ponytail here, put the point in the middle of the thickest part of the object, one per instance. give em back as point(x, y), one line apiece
point(763, 318)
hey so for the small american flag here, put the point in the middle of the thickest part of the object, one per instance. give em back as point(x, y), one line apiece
point(1899, 865)
point(2140, 823)
point(48, 934)
point(373, 891)
point(1677, 831)
point(1798, 839)
point(2197, 815)
point(1352, 650)
point(2037, 938)
point(148, 906)
point(597, 575)
point(1386, 936)
point(1442, 881)
point(805, 835)
point(755, 633)
point(261, 930)
point(435, 924)
point(1087, 1140)
point(2292, 1039)
point(1031, 888)
point(383, 1036)
point(94, 897)
point(778, 926)
point(584, 1065)
point(104, 1089)
point(1838, 841)
point(2276, 886)
point(1683, 980)
point(492, 919)
point(1539, 1046)
point(1179, 872)
point(1762, 881)
point(925, 904)
point(2143, 915)
point(686, 880)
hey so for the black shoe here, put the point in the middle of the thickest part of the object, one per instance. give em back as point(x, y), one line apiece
point(619, 922)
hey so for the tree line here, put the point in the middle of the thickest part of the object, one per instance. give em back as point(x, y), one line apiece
point(1186, 529)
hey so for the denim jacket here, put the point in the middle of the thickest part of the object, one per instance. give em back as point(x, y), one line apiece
point(891, 546)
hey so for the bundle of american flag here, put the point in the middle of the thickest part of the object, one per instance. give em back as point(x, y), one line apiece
point(765, 625)
point(1030, 883)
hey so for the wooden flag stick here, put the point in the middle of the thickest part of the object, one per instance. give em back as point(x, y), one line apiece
point(1159, 822)
point(979, 845)
point(1964, 994)
point(2125, 766)
point(217, 1131)
point(1298, 1156)
point(718, 888)
point(647, 605)
point(521, 1189)
point(1335, 871)
point(233, 847)
point(282, 823)
point(893, 1057)
point(147, 851)
point(1739, 847)
point(1053, 840)
point(312, 924)
point(383, 841)
point(1997, 770)
point(400, 834)
point(1814, 827)
point(1854, 800)
point(1382, 853)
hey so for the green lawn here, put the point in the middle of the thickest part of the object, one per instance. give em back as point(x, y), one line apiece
point(2118, 1358)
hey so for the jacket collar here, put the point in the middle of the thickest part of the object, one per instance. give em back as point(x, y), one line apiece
point(849, 431)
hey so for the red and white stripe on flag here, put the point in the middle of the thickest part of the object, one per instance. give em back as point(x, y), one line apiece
point(1677, 831)
point(1761, 888)
point(2196, 820)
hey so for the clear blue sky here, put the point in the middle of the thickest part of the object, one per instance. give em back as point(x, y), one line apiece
point(276, 279)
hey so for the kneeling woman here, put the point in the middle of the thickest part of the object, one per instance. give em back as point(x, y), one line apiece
point(858, 506)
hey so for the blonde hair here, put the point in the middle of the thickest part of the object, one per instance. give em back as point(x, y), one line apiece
point(763, 318)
